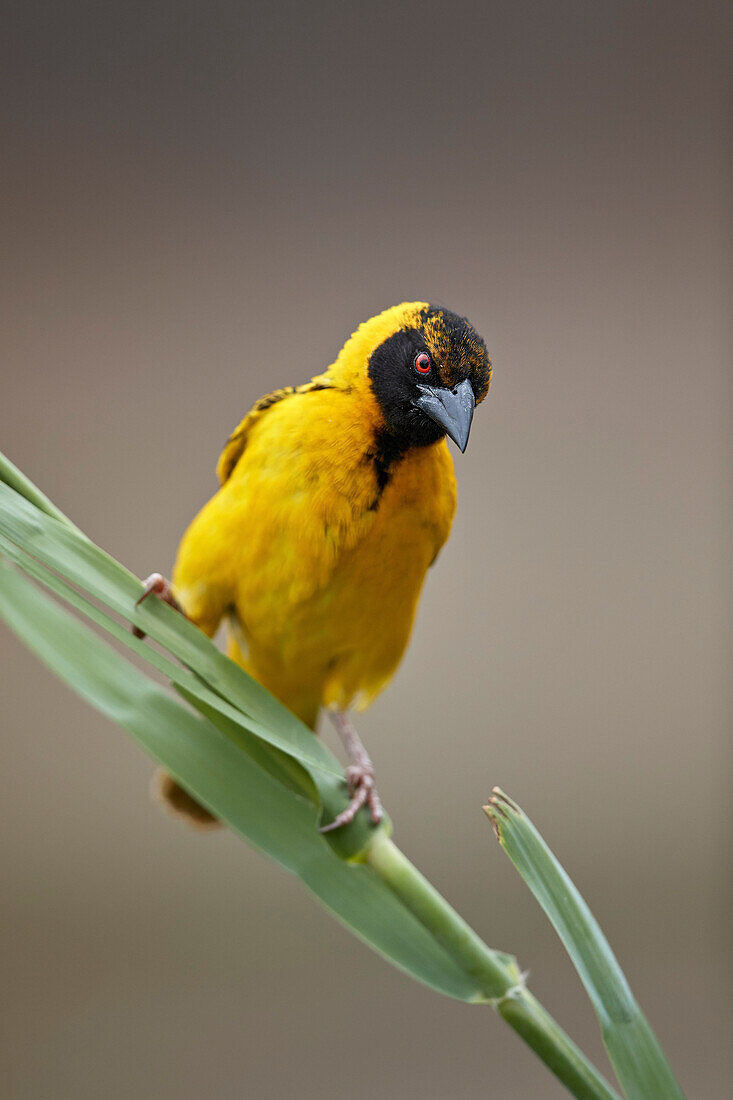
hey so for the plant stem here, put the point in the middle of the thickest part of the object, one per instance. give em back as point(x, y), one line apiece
point(498, 976)
point(554, 1046)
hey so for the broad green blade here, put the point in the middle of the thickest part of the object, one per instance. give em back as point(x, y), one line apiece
point(279, 822)
point(637, 1057)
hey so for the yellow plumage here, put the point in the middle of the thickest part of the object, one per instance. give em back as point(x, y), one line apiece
point(318, 565)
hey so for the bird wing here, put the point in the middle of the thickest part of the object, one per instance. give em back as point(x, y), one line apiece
point(296, 494)
point(237, 441)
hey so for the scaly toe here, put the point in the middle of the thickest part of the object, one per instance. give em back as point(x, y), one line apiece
point(375, 806)
point(358, 777)
point(156, 585)
point(347, 816)
point(363, 792)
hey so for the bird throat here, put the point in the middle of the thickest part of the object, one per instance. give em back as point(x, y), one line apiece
point(387, 452)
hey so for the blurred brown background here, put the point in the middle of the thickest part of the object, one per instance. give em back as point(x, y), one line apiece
point(202, 202)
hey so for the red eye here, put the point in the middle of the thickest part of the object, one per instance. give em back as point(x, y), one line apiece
point(422, 363)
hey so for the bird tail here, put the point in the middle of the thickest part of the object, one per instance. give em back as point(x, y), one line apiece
point(166, 790)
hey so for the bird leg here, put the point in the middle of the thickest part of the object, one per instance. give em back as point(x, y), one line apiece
point(157, 585)
point(359, 776)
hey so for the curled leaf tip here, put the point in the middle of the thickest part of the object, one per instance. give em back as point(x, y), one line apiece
point(498, 795)
point(498, 808)
point(492, 811)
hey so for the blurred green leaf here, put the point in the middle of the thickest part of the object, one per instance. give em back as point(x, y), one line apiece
point(273, 818)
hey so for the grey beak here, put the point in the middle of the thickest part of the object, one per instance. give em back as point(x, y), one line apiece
point(452, 409)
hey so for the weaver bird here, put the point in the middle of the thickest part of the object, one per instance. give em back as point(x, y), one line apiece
point(336, 496)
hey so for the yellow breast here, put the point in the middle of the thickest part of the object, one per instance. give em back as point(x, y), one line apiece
point(365, 616)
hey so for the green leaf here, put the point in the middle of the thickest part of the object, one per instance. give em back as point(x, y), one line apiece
point(640, 1064)
point(272, 817)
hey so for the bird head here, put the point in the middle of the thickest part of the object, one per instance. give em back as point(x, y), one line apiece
point(422, 367)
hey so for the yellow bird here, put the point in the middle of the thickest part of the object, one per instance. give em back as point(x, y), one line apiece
point(336, 496)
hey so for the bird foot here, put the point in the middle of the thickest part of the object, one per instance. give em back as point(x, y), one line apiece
point(363, 792)
point(157, 585)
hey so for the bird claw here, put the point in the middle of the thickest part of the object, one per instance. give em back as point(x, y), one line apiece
point(362, 791)
point(156, 585)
